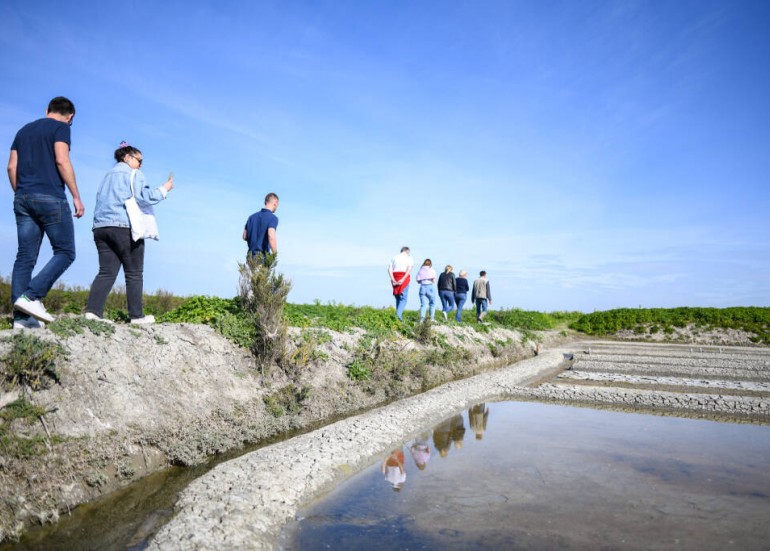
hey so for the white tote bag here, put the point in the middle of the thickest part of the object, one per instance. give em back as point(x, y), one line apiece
point(142, 219)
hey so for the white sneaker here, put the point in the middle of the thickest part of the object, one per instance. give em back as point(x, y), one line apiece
point(146, 320)
point(94, 317)
point(34, 308)
point(28, 323)
point(444, 315)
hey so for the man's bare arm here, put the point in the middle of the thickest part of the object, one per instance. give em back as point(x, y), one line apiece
point(272, 240)
point(13, 163)
point(67, 173)
point(245, 237)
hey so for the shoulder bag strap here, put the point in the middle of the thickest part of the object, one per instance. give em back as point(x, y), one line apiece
point(133, 174)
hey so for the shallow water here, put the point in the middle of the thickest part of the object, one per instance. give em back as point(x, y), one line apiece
point(555, 477)
point(121, 520)
point(129, 517)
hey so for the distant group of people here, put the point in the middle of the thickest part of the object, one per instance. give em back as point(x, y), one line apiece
point(445, 434)
point(452, 290)
point(39, 169)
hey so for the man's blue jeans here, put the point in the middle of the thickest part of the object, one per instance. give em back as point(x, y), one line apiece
point(447, 300)
point(36, 215)
point(460, 299)
point(401, 303)
point(427, 297)
point(481, 306)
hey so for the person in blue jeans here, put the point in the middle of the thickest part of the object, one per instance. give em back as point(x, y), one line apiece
point(39, 168)
point(481, 295)
point(399, 272)
point(446, 290)
point(112, 233)
point(426, 277)
point(461, 293)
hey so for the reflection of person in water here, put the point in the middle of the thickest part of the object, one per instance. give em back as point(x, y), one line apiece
point(420, 453)
point(393, 469)
point(477, 419)
point(442, 437)
point(458, 430)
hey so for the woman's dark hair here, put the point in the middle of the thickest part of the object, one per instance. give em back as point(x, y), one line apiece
point(427, 262)
point(123, 150)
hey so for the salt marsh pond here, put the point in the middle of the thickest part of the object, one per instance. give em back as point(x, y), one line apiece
point(544, 476)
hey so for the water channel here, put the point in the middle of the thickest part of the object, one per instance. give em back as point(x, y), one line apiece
point(508, 475)
point(521, 475)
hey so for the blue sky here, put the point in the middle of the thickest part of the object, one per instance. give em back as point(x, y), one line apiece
point(588, 155)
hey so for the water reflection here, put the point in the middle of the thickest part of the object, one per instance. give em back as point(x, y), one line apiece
point(478, 416)
point(545, 476)
point(458, 431)
point(393, 469)
point(447, 433)
point(420, 451)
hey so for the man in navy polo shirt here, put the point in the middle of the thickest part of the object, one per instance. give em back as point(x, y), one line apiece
point(260, 228)
point(38, 169)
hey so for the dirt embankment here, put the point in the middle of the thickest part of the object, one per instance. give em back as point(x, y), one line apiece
point(134, 401)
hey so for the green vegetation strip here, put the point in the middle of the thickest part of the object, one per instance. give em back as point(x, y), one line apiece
point(227, 316)
point(642, 320)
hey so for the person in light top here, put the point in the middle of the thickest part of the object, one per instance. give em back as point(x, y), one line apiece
point(426, 277)
point(112, 233)
point(400, 270)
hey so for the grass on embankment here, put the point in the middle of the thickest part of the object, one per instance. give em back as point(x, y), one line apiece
point(225, 315)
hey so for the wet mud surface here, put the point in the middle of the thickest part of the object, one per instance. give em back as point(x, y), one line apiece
point(711, 382)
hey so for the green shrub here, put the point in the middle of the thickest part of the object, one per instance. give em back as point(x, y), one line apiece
point(358, 370)
point(71, 326)
point(307, 350)
point(235, 328)
point(263, 291)
point(201, 309)
point(31, 362)
point(423, 331)
point(287, 400)
point(339, 317)
point(14, 445)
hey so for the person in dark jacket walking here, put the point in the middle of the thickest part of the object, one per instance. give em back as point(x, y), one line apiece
point(446, 290)
point(461, 293)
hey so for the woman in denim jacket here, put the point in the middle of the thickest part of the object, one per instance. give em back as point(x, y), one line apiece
point(112, 234)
